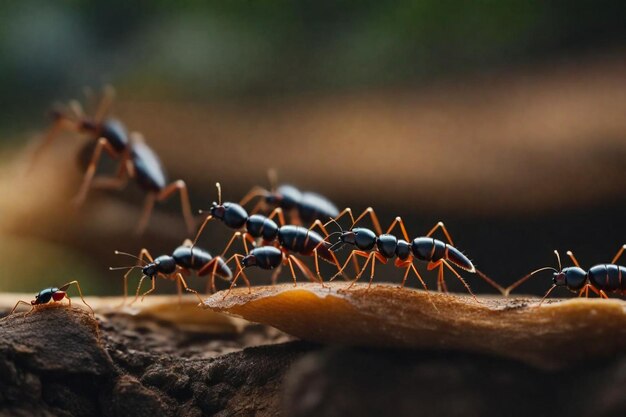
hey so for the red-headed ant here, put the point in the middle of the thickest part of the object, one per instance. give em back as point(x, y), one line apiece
point(137, 160)
point(303, 207)
point(379, 246)
point(289, 238)
point(52, 295)
point(600, 279)
point(184, 259)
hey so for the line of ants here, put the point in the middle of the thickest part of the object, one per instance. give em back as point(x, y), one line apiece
point(274, 242)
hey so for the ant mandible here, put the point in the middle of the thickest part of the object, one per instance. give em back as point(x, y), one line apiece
point(600, 279)
point(137, 160)
point(52, 295)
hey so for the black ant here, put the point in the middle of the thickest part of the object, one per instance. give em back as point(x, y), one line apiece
point(52, 295)
point(308, 206)
point(379, 246)
point(289, 238)
point(183, 259)
point(137, 160)
point(600, 279)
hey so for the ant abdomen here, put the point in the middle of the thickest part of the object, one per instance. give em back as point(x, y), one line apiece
point(191, 258)
point(609, 277)
point(432, 250)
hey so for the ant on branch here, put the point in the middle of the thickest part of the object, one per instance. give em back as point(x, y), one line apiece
point(183, 259)
point(136, 159)
point(600, 279)
point(379, 246)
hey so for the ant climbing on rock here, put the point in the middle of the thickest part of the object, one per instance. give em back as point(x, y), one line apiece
point(137, 160)
point(52, 295)
point(379, 246)
point(600, 279)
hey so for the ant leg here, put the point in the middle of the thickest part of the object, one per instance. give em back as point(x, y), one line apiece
point(317, 267)
point(490, 281)
point(398, 221)
point(57, 127)
point(441, 226)
point(254, 192)
point(29, 312)
point(410, 266)
point(351, 256)
point(369, 257)
point(18, 303)
point(441, 284)
point(598, 292)
point(230, 243)
point(147, 212)
point(381, 259)
point(108, 94)
point(279, 213)
point(520, 281)
point(118, 182)
point(240, 272)
point(147, 292)
point(293, 273)
point(275, 274)
point(573, 258)
point(305, 270)
point(619, 254)
point(80, 293)
point(460, 279)
point(201, 229)
point(546, 295)
point(103, 144)
point(370, 211)
point(345, 211)
point(182, 281)
point(181, 187)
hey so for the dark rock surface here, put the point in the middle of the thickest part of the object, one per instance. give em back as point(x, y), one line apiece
point(53, 364)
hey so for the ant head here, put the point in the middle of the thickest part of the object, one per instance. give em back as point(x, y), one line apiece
point(559, 279)
point(151, 269)
point(348, 236)
point(248, 260)
point(571, 277)
point(217, 210)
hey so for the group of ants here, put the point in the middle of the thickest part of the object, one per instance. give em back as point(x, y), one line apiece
point(274, 241)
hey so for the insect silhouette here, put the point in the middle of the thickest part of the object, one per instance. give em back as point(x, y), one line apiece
point(52, 295)
point(176, 266)
point(378, 246)
point(287, 238)
point(303, 207)
point(136, 159)
point(600, 279)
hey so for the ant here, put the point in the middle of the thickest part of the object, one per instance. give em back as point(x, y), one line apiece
point(600, 279)
point(288, 238)
point(379, 246)
point(183, 259)
point(308, 206)
point(137, 160)
point(52, 295)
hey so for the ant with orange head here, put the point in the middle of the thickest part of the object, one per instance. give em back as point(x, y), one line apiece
point(379, 246)
point(304, 207)
point(183, 259)
point(600, 279)
point(52, 295)
point(137, 160)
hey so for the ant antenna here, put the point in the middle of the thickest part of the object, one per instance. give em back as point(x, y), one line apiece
point(558, 258)
point(338, 225)
point(117, 252)
point(219, 193)
point(117, 268)
point(272, 176)
point(547, 294)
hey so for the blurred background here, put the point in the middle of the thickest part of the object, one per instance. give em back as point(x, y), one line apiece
point(504, 119)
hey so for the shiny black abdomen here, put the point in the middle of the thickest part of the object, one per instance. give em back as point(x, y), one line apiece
point(267, 257)
point(608, 277)
point(433, 250)
point(387, 245)
point(261, 226)
point(115, 132)
point(313, 206)
point(148, 169)
point(190, 258)
point(289, 196)
point(221, 269)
